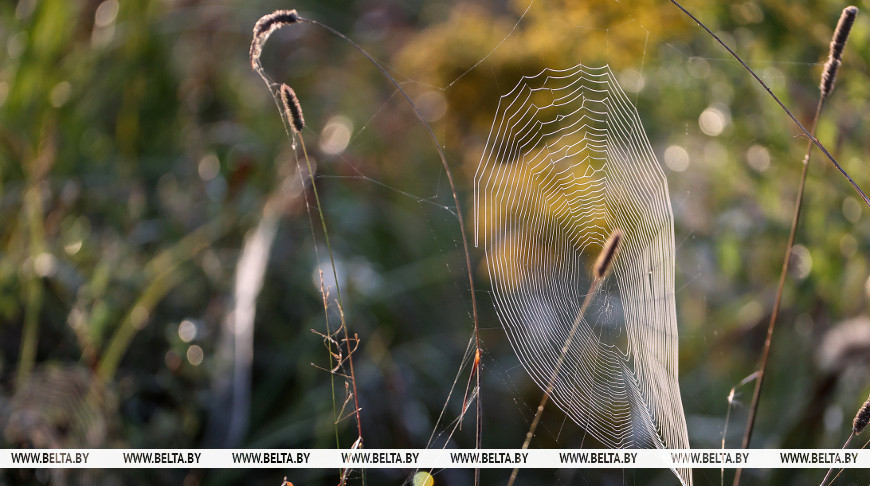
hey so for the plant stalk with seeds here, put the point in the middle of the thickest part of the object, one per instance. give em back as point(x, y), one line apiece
point(293, 120)
point(262, 30)
point(859, 423)
point(602, 267)
point(847, 18)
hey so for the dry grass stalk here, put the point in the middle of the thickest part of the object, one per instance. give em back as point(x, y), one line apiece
point(827, 84)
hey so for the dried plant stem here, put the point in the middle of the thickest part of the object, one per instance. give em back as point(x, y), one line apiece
point(337, 289)
point(859, 423)
point(343, 326)
point(813, 140)
point(831, 470)
point(765, 351)
point(461, 220)
point(331, 354)
point(593, 289)
point(292, 123)
point(843, 469)
point(600, 270)
point(829, 75)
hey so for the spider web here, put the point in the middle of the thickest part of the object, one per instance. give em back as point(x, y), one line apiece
point(566, 163)
point(642, 408)
point(567, 160)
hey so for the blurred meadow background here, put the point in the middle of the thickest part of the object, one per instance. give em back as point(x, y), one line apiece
point(138, 149)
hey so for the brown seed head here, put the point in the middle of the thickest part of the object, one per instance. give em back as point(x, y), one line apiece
point(608, 253)
point(835, 56)
point(264, 28)
point(861, 418)
point(292, 108)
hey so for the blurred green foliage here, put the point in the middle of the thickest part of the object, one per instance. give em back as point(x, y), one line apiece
point(118, 226)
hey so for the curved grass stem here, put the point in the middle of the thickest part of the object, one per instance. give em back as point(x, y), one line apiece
point(290, 128)
point(765, 351)
point(272, 87)
point(831, 470)
point(808, 133)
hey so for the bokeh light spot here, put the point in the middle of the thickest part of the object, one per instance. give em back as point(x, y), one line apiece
point(758, 158)
point(209, 167)
point(336, 135)
point(187, 331)
point(713, 120)
point(432, 105)
point(106, 13)
point(676, 158)
point(423, 478)
point(194, 355)
point(852, 209)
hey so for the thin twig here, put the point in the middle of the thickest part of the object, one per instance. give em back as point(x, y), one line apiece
point(825, 479)
point(843, 469)
point(813, 140)
point(859, 423)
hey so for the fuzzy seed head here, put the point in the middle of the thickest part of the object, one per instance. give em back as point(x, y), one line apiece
point(862, 418)
point(835, 56)
point(292, 108)
point(264, 28)
point(841, 33)
point(608, 252)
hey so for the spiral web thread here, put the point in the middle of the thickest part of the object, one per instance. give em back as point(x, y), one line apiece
point(567, 161)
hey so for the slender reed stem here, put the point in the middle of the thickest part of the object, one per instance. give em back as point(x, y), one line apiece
point(842, 468)
point(831, 470)
point(765, 351)
point(596, 282)
point(337, 290)
point(829, 75)
point(325, 295)
point(859, 423)
point(602, 267)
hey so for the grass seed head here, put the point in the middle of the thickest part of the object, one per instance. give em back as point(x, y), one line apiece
point(292, 108)
point(264, 28)
point(861, 418)
point(835, 56)
point(608, 253)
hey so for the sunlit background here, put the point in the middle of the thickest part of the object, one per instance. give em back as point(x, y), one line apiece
point(144, 169)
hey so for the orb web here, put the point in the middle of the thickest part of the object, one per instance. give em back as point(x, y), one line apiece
point(567, 162)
